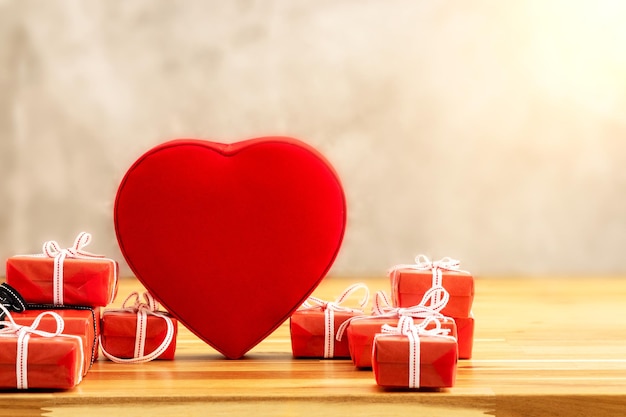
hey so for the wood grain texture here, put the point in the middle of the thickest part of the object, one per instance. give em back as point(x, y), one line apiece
point(543, 347)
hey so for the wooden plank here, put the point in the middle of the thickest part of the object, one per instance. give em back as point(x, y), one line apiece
point(543, 347)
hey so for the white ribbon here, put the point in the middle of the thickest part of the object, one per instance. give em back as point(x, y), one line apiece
point(408, 328)
point(52, 249)
point(329, 308)
point(425, 309)
point(433, 301)
point(143, 309)
point(422, 263)
point(23, 333)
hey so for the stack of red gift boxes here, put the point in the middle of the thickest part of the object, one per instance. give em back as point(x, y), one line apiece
point(410, 282)
point(52, 322)
point(52, 319)
point(414, 341)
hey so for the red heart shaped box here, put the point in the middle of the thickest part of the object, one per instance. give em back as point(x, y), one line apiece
point(231, 238)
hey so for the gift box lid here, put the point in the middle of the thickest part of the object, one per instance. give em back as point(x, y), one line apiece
point(42, 350)
point(370, 326)
point(86, 281)
point(78, 320)
point(124, 324)
point(76, 269)
point(433, 349)
point(312, 321)
point(414, 281)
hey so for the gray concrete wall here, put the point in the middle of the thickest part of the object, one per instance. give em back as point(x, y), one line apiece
point(492, 132)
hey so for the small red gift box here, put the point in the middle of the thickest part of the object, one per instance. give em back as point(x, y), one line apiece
point(64, 276)
point(314, 326)
point(78, 321)
point(32, 358)
point(308, 338)
point(409, 283)
point(465, 329)
point(361, 334)
point(139, 333)
point(414, 360)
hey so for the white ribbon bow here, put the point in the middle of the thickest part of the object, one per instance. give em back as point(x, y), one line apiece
point(52, 249)
point(433, 301)
point(23, 333)
point(143, 310)
point(422, 263)
point(329, 308)
point(382, 308)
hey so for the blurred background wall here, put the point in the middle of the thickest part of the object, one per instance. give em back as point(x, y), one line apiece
point(489, 131)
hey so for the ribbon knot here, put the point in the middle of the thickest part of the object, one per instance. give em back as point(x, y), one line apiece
point(433, 301)
point(446, 263)
point(149, 304)
point(329, 308)
point(52, 249)
point(315, 302)
point(406, 325)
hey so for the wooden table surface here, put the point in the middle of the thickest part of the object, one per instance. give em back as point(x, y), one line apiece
point(543, 347)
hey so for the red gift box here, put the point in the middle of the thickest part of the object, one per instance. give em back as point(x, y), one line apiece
point(409, 283)
point(414, 360)
point(314, 327)
point(308, 334)
point(78, 321)
point(465, 329)
point(32, 358)
point(361, 334)
point(64, 276)
point(139, 333)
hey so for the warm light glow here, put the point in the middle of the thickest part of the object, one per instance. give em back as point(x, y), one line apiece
point(578, 51)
